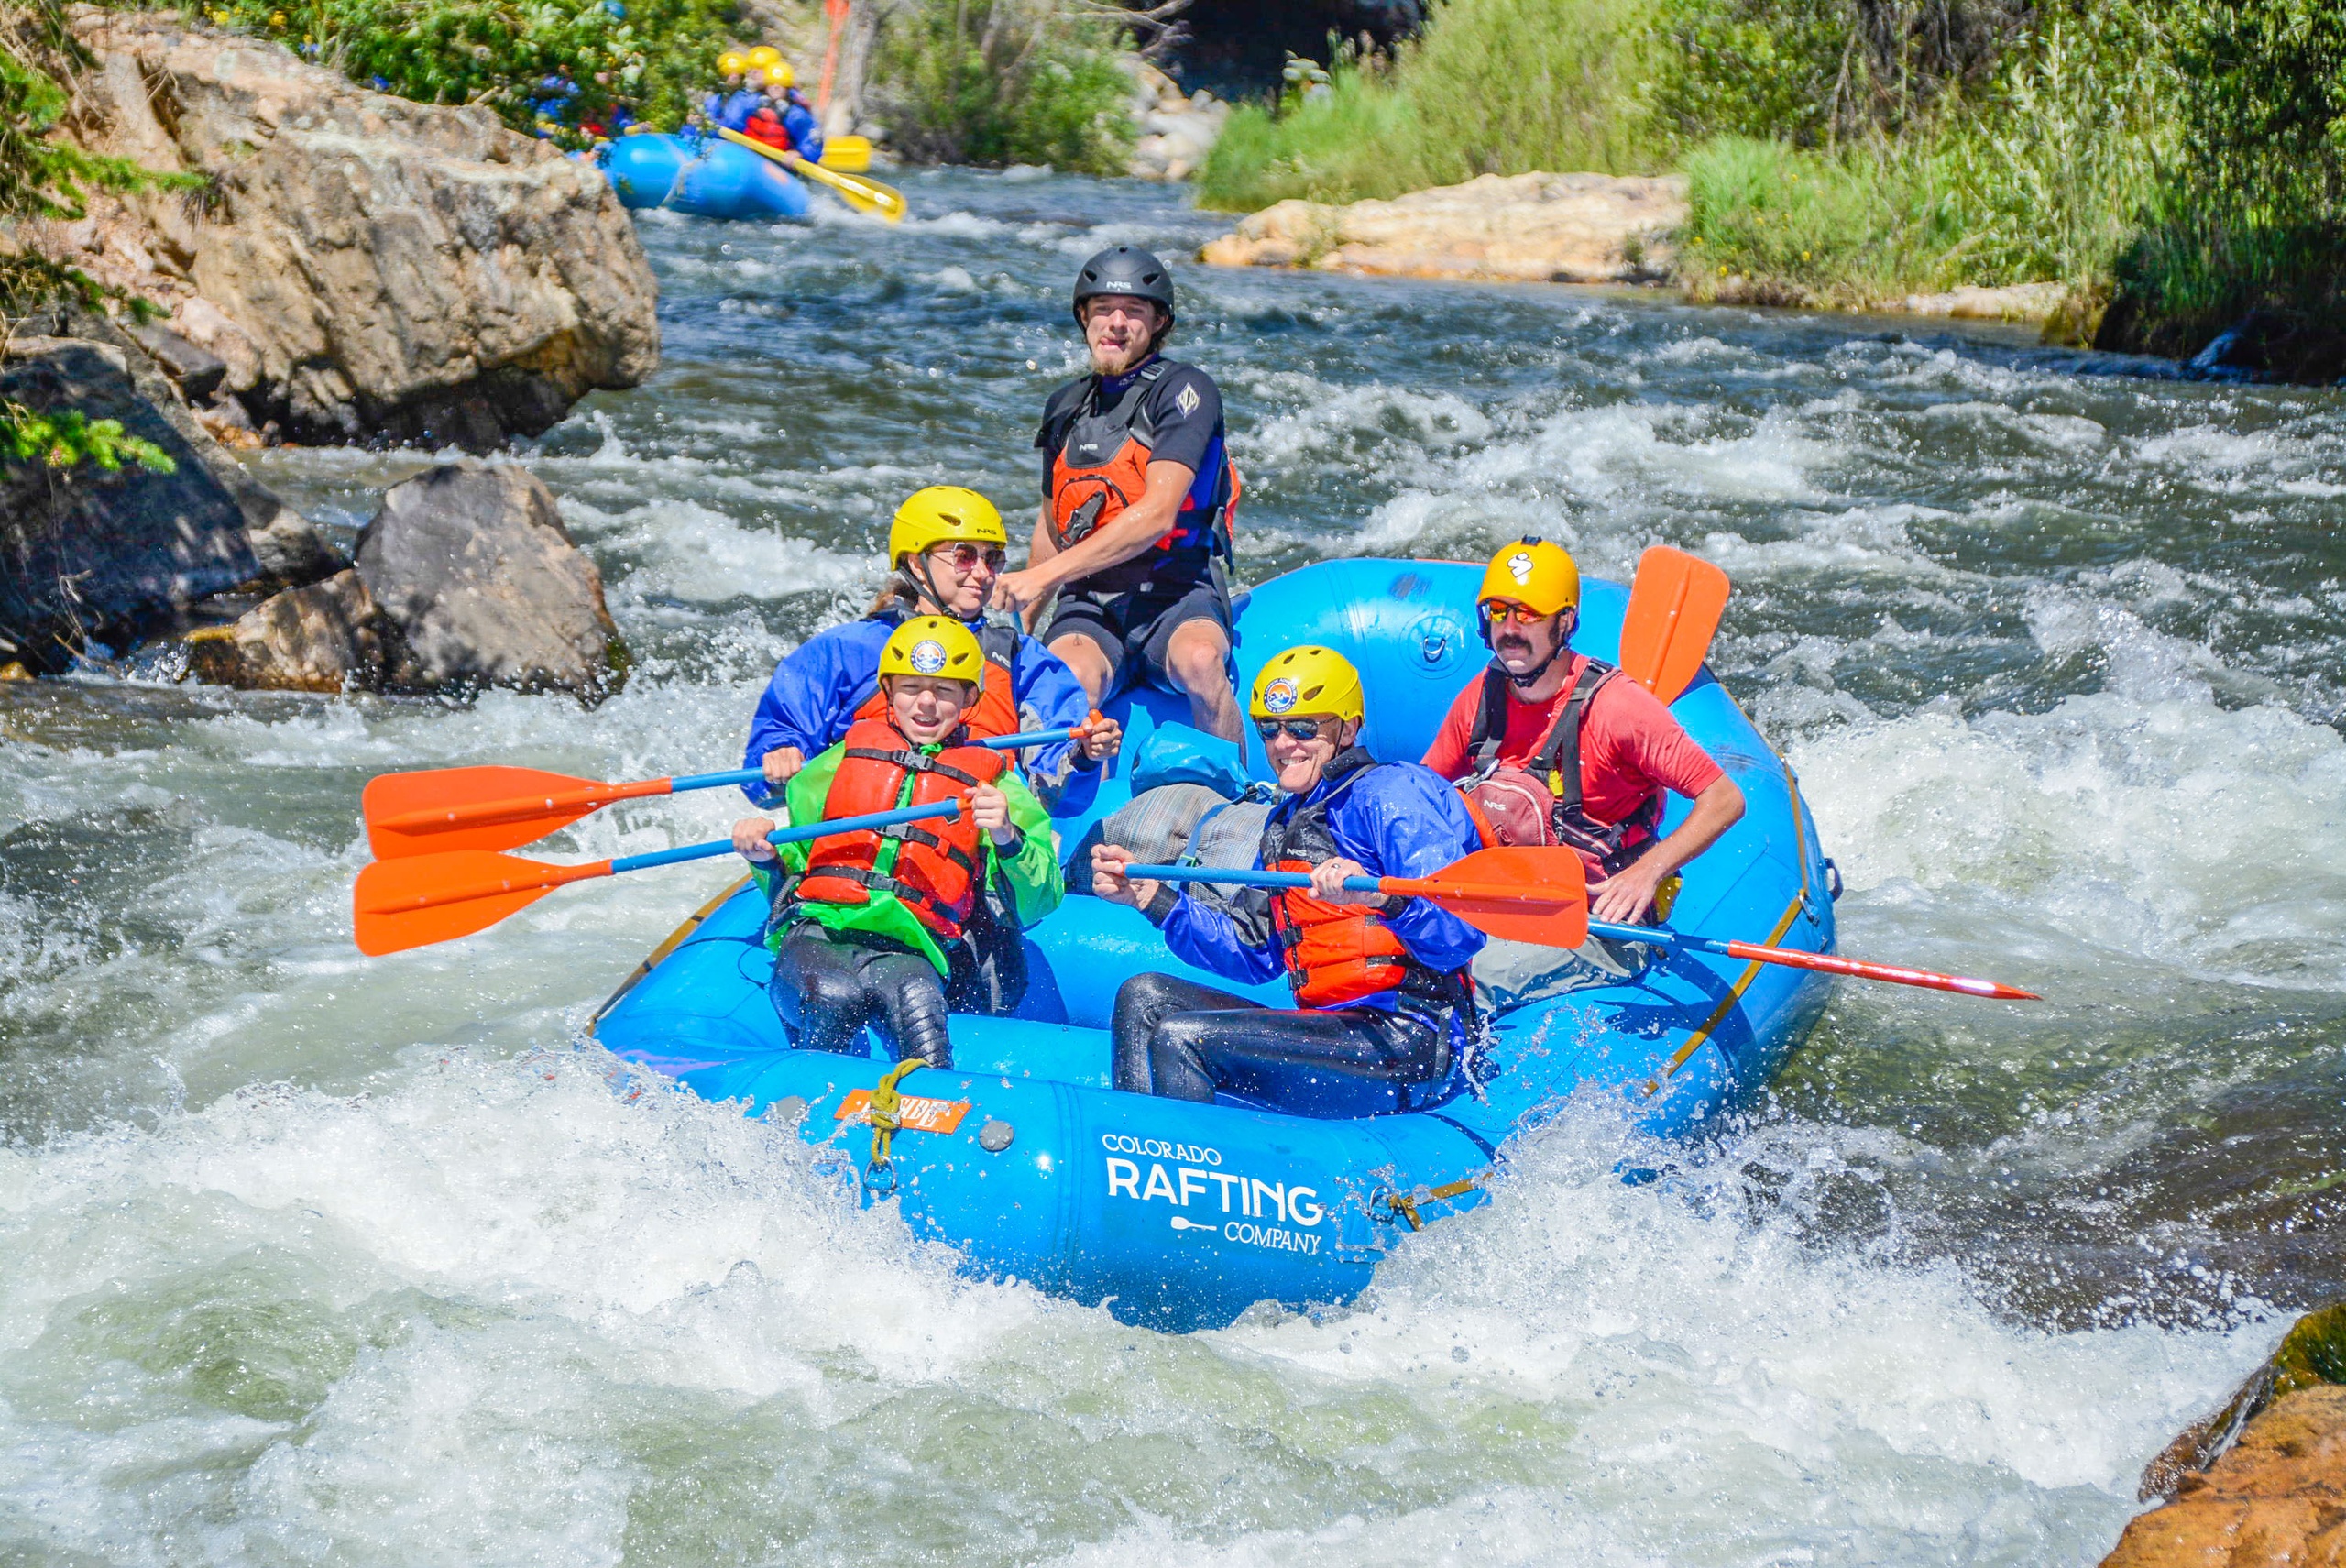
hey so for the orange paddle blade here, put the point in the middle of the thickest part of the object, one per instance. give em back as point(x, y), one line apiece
point(443, 809)
point(1674, 607)
point(423, 899)
point(1524, 895)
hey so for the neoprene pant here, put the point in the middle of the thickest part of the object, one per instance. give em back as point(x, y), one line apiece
point(827, 990)
point(1183, 1040)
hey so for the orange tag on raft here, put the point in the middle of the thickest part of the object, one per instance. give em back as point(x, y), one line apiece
point(913, 1112)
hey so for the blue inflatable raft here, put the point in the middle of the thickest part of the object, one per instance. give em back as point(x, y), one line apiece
point(1180, 1215)
point(708, 177)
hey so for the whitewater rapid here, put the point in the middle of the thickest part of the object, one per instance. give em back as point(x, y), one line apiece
point(316, 1258)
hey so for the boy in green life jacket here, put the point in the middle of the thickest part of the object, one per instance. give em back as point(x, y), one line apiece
point(872, 926)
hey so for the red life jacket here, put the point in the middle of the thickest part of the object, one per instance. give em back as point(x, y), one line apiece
point(1554, 772)
point(765, 126)
point(1334, 953)
point(996, 712)
point(1100, 461)
point(939, 861)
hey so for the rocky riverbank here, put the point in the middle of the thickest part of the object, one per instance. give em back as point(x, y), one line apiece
point(1523, 228)
point(1561, 228)
point(356, 266)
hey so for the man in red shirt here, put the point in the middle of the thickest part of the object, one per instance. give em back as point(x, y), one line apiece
point(1600, 745)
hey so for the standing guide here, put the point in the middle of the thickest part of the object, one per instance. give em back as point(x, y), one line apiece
point(1134, 531)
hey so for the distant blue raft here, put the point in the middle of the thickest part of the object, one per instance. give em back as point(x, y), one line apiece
point(1182, 1215)
point(703, 176)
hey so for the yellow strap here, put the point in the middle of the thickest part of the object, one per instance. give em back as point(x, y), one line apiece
point(885, 1101)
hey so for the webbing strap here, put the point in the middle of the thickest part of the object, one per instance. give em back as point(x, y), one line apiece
point(914, 762)
point(1406, 1204)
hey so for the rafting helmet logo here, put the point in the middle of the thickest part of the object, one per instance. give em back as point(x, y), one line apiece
point(928, 657)
point(1518, 566)
point(1279, 696)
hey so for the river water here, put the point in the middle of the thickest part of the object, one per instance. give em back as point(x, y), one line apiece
point(306, 1259)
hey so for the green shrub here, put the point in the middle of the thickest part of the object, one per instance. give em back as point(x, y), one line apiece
point(998, 81)
point(2252, 214)
point(63, 438)
point(42, 178)
point(659, 56)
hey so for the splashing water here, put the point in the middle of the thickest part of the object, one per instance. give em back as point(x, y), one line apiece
point(314, 1258)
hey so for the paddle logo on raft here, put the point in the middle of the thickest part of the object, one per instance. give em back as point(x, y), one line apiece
point(1281, 1216)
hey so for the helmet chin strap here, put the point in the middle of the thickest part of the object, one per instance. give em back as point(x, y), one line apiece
point(921, 574)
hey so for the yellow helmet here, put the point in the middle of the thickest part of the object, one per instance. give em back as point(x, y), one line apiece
point(941, 513)
point(1535, 574)
point(934, 645)
point(779, 72)
point(1307, 683)
point(731, 64)
point(762, 56)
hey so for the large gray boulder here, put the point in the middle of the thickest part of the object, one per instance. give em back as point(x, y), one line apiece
point(362, 268)
point(480, 585)
point(88, 555)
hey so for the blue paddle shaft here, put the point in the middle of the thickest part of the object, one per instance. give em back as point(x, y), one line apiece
point(785, 836)
point(1031, 738)
point(716, 781)
point(684, 782)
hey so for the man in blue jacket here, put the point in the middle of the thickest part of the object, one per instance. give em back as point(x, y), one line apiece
point(1386, 1005)
point(947, 546)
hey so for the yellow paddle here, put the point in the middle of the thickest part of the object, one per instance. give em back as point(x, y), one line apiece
point(849, 154)
point(865, 195)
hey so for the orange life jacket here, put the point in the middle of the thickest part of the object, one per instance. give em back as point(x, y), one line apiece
point(996, 712)
point(1100, 461)
point(1334, 953)
point(939, 861)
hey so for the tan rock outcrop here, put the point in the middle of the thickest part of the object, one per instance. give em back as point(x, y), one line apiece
point(365, 267)
point(2031, 304)
point(324, 638)
point(2277, 1497)
point(1560, 228)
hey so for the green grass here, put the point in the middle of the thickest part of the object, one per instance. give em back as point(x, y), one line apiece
point(2044, 180)
point(1490, 87)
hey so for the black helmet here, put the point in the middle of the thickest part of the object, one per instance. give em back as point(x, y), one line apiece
point(1126, 269)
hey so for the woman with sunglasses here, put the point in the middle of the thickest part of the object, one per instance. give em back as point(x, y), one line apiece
point(1385, 1006)
point(945, 549)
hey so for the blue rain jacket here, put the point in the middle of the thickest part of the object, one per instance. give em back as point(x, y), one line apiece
point(733, 110)
point(1397, 819)
point(817, 688)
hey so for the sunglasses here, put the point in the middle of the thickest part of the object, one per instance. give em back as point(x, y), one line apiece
point(1521, 614)
point(965, 557)
point(1297, 728)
